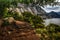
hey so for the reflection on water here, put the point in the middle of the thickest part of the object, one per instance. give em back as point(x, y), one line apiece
point(53, 20)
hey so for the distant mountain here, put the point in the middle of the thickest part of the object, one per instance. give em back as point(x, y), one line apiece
point(58, 13)
point(53, 8)
point(53, 14)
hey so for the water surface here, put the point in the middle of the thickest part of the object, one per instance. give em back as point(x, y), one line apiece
point(53, 20)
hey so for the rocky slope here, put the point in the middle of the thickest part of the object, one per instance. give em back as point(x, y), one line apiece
point(17, 30)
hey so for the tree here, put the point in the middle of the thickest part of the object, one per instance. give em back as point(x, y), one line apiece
point(3, 8)
point(34, 20)
point(53, 31)
point(6, 4)
point(41, 2)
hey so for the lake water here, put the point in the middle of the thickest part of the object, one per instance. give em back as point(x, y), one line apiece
point(53, 20)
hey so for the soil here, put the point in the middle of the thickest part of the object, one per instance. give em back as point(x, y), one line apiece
point(18, 31)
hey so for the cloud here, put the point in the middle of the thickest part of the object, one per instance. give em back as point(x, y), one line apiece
point(53, 8)
point(50, 8)
point(58, 0)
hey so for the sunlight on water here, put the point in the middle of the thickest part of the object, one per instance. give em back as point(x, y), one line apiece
point(53, 20)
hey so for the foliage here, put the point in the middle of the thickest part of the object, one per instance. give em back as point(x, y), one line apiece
point(6, 23)
point(40, 2)
point(7, 3)
point(51, 32)
point(17, 17)
point(34, 20)
point(3, 6)
point(53, 28)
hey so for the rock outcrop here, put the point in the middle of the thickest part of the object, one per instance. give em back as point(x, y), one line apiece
point(18, 30)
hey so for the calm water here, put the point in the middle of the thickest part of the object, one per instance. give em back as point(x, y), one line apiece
point(53, 20)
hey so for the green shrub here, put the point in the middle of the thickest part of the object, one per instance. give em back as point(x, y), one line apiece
point(53, 28)
point(33, 19)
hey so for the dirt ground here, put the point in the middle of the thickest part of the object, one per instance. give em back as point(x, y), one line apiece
point(18, 31)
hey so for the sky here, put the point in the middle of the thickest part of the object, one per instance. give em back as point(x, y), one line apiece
point(50, 8)
point(58, 0)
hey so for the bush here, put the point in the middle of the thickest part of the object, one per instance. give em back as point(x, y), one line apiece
point(53, 28)
point(33, 19)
